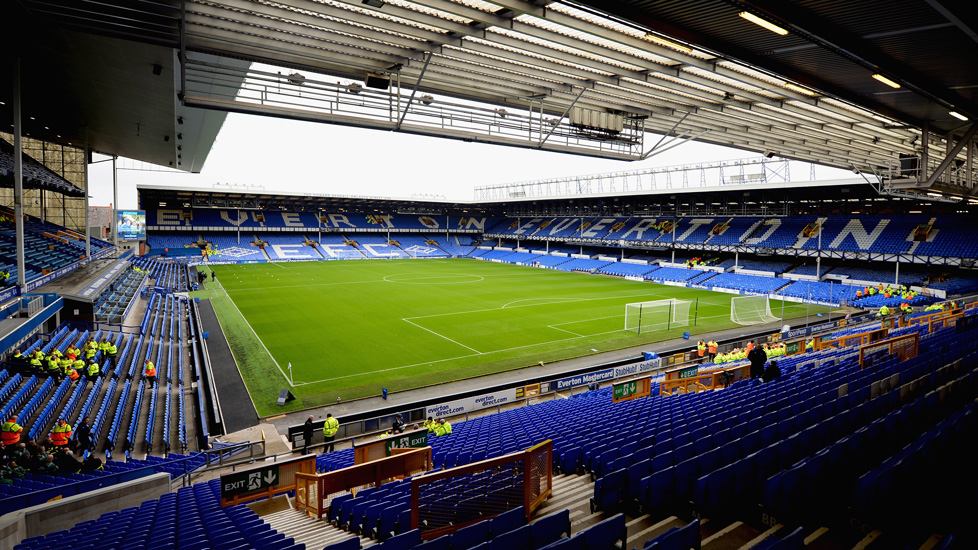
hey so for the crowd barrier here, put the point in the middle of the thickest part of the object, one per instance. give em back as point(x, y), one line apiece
point(315, 492)
point(445, 501)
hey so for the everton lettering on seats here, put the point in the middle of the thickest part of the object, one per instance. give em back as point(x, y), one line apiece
point(253, 219)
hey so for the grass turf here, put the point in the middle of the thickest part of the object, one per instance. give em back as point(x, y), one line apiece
point(349, 328)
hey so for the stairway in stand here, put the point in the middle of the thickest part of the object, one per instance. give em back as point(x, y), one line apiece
point(312, 532)
point(572, 492)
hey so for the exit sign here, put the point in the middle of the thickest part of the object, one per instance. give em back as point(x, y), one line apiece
point(626, 389)
point(632, 389)
point(245, 482)
point(689, 372)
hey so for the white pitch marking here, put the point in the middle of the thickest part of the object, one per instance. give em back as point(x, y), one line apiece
point(475, 355)
point(443, 336)
point(272, 357)
point(555, 327)
point(562, 301)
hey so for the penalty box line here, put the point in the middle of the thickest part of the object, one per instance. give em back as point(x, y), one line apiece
point(429, 363)
point(506, 305)
point(442, 336)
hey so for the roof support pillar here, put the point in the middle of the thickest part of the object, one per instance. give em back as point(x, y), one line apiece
point(88, 238)
point(969, 165)
point(115, 203)
point(18, 179)
point(924, 152)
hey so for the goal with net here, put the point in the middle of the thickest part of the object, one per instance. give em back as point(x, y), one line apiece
point(642, 317)
point(751, 310)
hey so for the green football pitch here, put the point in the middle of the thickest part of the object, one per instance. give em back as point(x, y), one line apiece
point(349, 328)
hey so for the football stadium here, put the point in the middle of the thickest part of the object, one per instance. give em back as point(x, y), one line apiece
point(772, 348)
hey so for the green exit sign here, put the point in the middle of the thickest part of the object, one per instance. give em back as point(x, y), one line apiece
point(625, 389)
point(689, 372)
point(412, 440)
point(792, 348)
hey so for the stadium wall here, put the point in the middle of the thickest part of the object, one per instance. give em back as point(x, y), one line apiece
point(65, 513)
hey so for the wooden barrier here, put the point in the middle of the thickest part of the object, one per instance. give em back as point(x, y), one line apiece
point(377, 448)
point(904, 347)
point(633, 389)
point(314, 492)
point(265, 481)
point(528, 474)
point(861, 338)
point(708, 381)
point(936, 320)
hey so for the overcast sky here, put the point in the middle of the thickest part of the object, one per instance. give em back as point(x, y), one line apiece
point(304, 157)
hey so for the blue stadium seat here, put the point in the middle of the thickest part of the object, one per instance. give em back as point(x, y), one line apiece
point(404, 541)
point(440, 543)
point(510, 520)
point(352, 543)
point(518, 539)
point(468, 537)
point(548, 529)
point(608, 535)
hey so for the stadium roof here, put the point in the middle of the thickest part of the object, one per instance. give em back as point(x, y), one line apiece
point(118, 93)
point(36, 175)
point(853, 194)
point(686, 68)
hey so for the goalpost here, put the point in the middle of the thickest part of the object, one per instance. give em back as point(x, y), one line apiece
point(751, 310)
point(642, 317)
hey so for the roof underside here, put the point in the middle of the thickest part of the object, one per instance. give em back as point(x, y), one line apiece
point(685, 68)
point(117, 94)
point(850, 196)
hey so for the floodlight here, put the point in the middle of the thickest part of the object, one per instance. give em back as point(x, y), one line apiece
point(763, 23)
point(886, 81)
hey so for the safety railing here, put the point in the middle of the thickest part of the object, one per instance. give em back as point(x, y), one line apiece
point(314, 492)
point(445, 501)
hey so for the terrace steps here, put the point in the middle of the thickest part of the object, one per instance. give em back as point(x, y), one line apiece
point(312, 532)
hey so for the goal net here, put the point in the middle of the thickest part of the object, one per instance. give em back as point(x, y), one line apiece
point(642, 317)
point(751, 310)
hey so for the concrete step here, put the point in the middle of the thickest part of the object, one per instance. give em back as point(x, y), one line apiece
point(761, 537)
point(731, 537)
point(646, 529)
point(308, 530)
point(584, 522)
point(570, 492)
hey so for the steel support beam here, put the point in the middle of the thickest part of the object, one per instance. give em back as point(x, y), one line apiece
point(567, 110)
point(952, 152)
point(414, 90)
